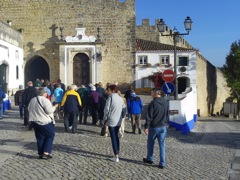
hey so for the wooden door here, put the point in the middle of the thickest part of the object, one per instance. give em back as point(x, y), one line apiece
point(81, 69)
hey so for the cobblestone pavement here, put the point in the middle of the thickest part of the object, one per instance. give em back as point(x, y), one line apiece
point(205, 153)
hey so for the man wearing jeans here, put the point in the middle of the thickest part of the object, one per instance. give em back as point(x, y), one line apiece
point(155, 126)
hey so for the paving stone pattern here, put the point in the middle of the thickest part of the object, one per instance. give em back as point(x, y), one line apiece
point(85, 155)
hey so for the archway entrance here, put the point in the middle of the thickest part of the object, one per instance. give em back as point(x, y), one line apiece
point(36, 68)
point(3, 76)
point(81, 69)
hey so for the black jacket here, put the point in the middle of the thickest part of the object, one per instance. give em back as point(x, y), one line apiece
point(29, 93)
point(157, 114)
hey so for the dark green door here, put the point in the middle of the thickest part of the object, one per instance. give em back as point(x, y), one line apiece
point(3, 76)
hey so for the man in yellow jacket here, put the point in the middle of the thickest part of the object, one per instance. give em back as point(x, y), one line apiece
point(71, 104)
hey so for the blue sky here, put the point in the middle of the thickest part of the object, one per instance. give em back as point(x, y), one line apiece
point(216, 23)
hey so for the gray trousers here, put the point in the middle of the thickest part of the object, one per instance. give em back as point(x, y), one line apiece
point(136, 122)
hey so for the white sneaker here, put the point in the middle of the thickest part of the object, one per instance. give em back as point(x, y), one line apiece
point(114, 159)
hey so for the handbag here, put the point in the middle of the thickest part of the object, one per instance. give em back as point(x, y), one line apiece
point(104, 128)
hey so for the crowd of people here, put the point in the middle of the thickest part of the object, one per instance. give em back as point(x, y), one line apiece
point(42, 102)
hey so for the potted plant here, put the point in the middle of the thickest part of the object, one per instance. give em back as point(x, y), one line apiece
point(149, 65)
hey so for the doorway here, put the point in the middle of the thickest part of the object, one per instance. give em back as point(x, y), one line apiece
point(36, 68)
point(81, 69)
point(183, 83)
point(3, 76)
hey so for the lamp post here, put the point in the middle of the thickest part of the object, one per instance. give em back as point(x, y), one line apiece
point(176, 35)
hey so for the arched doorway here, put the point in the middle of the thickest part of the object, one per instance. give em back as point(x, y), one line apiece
point(183, 83)
point(3, 76)
point(36, 68)
point(81, 69)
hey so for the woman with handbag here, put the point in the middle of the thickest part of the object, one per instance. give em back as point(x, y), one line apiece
point(41, 116)
point(114, 111)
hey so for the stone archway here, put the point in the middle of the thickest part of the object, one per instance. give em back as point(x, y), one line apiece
point(81, 69)
point(36, 67)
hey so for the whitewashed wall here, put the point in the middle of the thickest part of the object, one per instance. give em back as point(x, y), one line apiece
point(11, 58)
point(154, 58)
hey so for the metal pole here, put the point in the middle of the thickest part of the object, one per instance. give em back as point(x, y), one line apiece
point(175, 66)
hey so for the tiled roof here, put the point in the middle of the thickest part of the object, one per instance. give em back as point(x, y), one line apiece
point(145, 45)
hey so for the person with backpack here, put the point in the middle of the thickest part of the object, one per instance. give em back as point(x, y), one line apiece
point(114, 111)
point(135, 106)
point(83, 113)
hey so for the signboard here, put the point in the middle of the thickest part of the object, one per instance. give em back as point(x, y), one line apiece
point(168, 88)
point(172, 112)
point(168, 75)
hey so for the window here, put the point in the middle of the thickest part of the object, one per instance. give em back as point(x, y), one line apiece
point(142, 60)
point(17, 73)
point(146, 82)
point(16, 55)
point(182, 61)
point(164, 60)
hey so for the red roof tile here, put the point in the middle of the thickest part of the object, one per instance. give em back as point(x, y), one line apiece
point(145, 45)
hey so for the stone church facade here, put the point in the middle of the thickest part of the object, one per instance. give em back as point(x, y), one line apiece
point(46, 24)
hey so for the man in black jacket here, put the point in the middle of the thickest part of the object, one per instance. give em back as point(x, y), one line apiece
point(155, 126)
point(29, 93)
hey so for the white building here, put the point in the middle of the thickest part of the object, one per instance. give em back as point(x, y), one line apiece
point(153, 57)
point(11, 58)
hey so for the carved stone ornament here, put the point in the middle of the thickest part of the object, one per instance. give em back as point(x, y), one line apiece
point(80, 37)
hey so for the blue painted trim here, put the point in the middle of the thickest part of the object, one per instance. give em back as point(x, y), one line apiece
point(195, 117)
point(186, 127)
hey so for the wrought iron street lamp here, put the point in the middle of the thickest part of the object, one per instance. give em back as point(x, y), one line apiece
point(176, 35)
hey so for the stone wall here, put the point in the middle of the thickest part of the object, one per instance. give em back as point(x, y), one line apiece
point(42, 19)
point(10, 35)
point(211, 87)
point(147, 32)
point(150, 32)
